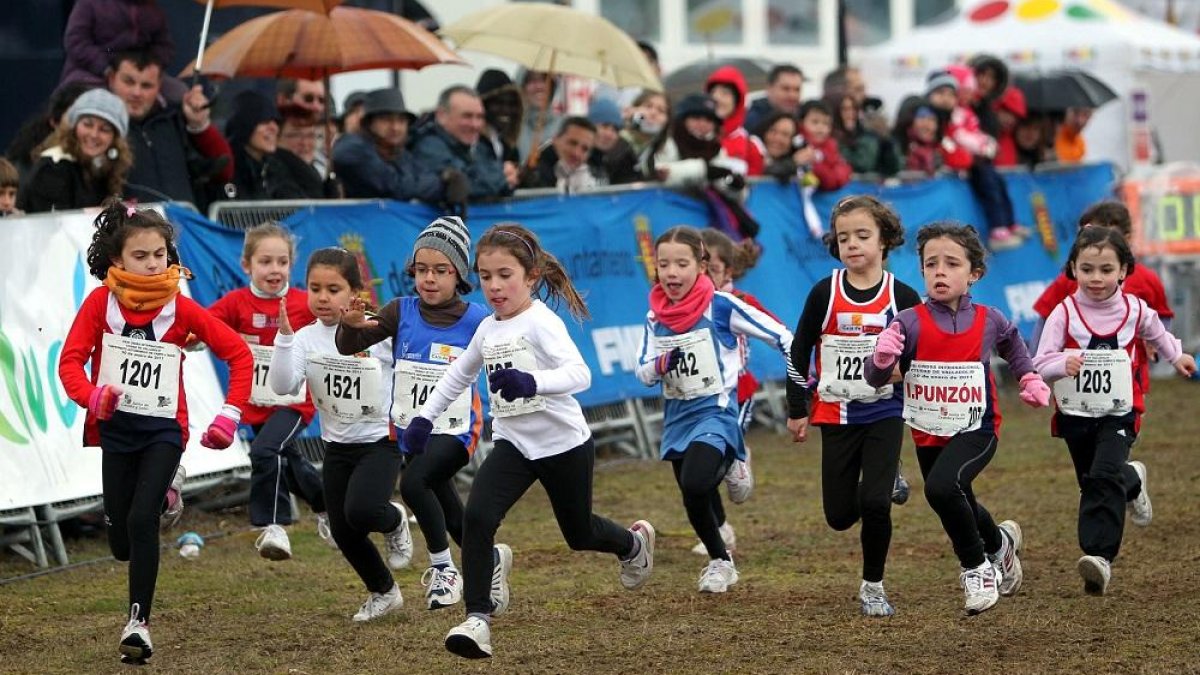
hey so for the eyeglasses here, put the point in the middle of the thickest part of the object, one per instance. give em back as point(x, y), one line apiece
point(313, 98)
point(438, 270)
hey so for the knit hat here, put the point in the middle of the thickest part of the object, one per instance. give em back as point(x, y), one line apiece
point(605, 111)
point(697, 105)
point(938, 79)
point(449, 236)
point(103, 104)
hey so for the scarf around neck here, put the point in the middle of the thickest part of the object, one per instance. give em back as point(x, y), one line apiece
point(681, 315)
point(141, 292)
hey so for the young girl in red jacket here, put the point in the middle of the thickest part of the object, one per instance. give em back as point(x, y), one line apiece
point(276, 467)
point(825, 161)
point(131, 329)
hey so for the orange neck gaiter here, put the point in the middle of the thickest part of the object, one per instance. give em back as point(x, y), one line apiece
point(141, 292)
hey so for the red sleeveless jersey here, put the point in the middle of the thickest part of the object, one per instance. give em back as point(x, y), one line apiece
point(934, 344)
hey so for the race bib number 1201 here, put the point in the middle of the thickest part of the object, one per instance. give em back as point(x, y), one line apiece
point(147, 373)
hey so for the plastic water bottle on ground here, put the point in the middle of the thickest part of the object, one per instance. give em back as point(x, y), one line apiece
point(189, 544)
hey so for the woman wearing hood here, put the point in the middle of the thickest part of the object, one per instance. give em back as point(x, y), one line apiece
point(253, 132)
point(991, 81)
point(727, 87)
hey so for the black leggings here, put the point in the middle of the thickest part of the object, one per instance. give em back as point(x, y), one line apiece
point(698, 473)
point(1100, 452)
point(135, 484)
point(359, 481)
point(858, 469)
point(948, 471)
point(501, 481)
point(277, 468)
point(427, 485)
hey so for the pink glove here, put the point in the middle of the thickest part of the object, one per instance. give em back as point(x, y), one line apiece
point(889, 346)
point(103, 400)
point(1034, 392)
point(222, 430)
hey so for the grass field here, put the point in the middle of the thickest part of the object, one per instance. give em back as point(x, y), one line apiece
point(795, 609)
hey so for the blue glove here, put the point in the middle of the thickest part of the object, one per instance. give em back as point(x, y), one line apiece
point(666, 362)
point(416, 436)
point(512, 384)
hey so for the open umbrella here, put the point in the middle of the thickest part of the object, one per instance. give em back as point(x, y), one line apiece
point(555, 39)
point(322, 6)
point(1057, 90)
point(691, 78)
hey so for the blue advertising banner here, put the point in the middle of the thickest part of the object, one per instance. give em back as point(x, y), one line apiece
point(606, 243)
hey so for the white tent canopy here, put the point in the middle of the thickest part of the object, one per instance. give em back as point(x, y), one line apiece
point(1129, 52)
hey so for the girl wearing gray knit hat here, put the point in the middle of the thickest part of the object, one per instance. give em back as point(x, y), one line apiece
point(85, 160)
point(430, 329)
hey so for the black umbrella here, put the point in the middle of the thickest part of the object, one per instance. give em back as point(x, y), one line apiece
point(1057, 90)
point(690, 79)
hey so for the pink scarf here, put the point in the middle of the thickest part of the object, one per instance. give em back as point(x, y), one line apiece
point(681, 315)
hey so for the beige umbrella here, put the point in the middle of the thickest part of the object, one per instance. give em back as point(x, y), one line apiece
point(555, 39)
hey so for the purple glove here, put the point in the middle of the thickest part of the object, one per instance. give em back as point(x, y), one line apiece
point(889, 346)
point(666, 361)
point(103, 400)
point(416, 436)
point(512, 384)
point(1034, 391)
point(222, 430)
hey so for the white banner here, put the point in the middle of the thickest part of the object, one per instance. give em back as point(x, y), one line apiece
point(42, 458)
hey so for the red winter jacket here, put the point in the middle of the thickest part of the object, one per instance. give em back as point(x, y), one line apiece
point(737, 142)
point(831, 170)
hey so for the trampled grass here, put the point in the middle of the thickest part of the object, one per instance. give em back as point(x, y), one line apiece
point(793, 611)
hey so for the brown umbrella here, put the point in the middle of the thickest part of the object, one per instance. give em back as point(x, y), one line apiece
point(322, 6)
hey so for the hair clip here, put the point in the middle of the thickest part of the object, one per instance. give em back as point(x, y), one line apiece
point(130, 210)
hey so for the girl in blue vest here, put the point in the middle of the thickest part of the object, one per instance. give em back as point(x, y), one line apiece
point(431, 330)
point(943, 347)
point(690, 346)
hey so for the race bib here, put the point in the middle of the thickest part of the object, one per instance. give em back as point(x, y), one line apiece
point(345, 388)
point(261, 393)
point(516, 354)
point(413, 383)
point(697, 374)
point(842, 361)
point(944, 399)
point(146, 371)
point(1104, 385)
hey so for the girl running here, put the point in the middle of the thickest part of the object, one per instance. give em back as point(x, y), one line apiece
point(131, 329)
point(539, 430)
point(361, 461)
point(861, 425)
point(943, 347)
point(277, 468)
point(430, 331)
point(1089, 350)
point(690, 345)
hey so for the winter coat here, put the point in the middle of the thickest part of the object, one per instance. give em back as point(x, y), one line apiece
point(306, 176)
point(436, 150)
point(57, 183)
point(737, 142)
point(620, 163)
point(831, 170)
point(97, 29)
point(549, 174)
point(757, 113)
point(367, 175)
point(867, 152)
point(170, 160)
point(930, 158)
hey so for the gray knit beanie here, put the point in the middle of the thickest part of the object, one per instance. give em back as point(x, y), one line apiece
point(938, 79)
point(103, 104)
point(449, 235)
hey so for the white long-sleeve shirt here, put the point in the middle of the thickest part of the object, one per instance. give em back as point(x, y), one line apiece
point(560, 371)
point(289, 368)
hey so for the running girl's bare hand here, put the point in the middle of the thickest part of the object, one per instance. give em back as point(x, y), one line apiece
point(1185, 365)
point(355, 316)
point(1074, 364)
point(799, 429)
point(285, 326)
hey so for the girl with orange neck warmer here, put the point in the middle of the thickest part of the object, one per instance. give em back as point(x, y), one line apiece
point(131, 330)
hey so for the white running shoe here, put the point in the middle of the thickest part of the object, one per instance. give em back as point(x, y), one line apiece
point(443, 587)
point(1096, 573)
point(273, 543)
point(874, 599)
point(718, 576)
point(1140, 510)
point(636, 570)
point(980, 588)
point(727, 536)
point(135, 644)
point(471, 639)
point(1006, 560)
point(174, 512)
point(739, 480)
point(378, 604)
point(323, 530)
point(502, 559)
point(398, 542)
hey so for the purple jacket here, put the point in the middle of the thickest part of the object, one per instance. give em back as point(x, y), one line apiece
point(998, 333)
point(97, 29)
